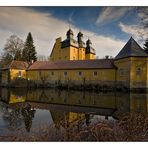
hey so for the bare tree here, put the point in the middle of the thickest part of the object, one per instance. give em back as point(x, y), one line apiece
point(13, 49)
point(143, 14)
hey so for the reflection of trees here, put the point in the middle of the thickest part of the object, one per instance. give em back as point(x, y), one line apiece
point(28, 115)
point(87, 119)
point(12, 117)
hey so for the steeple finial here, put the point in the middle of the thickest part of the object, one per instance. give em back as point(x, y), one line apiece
point(69, 34)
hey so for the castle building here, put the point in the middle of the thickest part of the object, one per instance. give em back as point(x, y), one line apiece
point(70, 49)
point(132, 64)
point(73, 63)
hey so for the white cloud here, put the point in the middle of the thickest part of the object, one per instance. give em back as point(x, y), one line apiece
point(138, 31)
point(111, 14)
point(45, 29)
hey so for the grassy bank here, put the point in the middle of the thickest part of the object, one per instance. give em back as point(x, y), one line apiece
point(132, 127)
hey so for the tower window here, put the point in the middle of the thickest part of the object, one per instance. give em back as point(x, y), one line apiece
point(95, 73)
point(138, 71)
point(121, 72)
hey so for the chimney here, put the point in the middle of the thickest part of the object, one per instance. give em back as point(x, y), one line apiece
point(107, 57)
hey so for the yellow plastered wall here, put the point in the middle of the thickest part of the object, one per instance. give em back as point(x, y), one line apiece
point(138, 80)
point(56, 51)
point(130, 76)
point(81, 55)
point(123, 64)
point(74, 75)
point(14, 73)
point(65, 53)
point(90, 56)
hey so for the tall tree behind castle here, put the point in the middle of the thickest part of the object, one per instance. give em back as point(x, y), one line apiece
point(29, 52)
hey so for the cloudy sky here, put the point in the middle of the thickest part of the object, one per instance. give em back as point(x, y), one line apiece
point(109, 28)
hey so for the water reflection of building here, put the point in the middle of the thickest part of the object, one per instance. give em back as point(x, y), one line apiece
point(13, 95)
point(79, 98)
point(74, 104)
point(139, 103)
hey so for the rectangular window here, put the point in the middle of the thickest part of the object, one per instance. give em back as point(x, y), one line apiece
point(65, 73)
point(20, 74)
point(121, 72)
point(80, 73)
point(52, 73)
point(65, 57)
point(95, 73)
point(73, 58)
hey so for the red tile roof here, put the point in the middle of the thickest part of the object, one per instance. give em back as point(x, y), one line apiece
point(74, 64)
point(17, 65)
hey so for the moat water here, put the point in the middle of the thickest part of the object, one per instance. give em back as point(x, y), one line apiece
point(27, 111)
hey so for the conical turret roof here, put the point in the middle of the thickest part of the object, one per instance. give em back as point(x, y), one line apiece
point(131, 49)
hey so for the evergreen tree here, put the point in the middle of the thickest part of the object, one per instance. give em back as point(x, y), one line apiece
point(146, 45)
point(29, 52)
